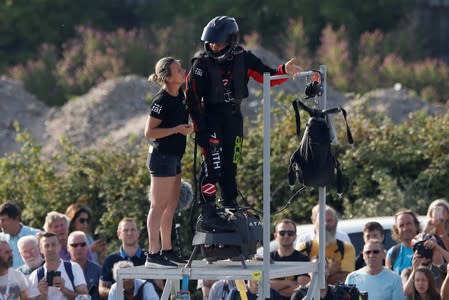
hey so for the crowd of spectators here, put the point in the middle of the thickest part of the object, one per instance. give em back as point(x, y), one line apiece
point(63, 260)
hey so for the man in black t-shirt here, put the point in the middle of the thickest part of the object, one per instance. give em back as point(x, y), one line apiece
point(128, 233)
point(285, 235)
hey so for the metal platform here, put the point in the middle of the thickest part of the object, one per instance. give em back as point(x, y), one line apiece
point(256, 270)
point(215, 271)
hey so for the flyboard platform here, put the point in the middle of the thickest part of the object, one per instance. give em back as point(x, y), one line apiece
point(263, 270)
point(218, 270)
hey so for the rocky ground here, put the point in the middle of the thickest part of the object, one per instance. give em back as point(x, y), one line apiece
point(115, 111)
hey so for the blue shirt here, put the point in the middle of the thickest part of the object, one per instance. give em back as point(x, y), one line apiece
point(12, 240)
point(149, 293)
point(403, 260)
point(386, 285)
point(106, 271)
point(92, 274)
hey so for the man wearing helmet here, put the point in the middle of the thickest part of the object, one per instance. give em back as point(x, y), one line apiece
point(216, 85)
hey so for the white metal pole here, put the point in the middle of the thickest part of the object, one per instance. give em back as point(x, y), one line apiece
point(322, 201)
point(265, 291)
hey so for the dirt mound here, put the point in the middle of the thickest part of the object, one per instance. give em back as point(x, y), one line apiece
point(397, 104)
point(16, 104)
point(109, 114)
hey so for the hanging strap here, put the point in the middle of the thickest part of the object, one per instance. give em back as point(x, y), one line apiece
point(339, 179)
point(348, 130)
point(297, 119)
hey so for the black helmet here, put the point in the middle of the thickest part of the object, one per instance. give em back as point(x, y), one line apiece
point(221, 29)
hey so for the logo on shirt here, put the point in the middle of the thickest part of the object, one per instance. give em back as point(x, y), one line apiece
point(198, 72)
point(156, 108)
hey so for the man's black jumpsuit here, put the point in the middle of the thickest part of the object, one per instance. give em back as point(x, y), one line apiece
point(214, 94)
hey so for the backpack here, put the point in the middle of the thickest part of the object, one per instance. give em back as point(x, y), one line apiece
point(394, 254)
point(313, 163)
point(139, 295)
point(340, 248)
point(68, 269)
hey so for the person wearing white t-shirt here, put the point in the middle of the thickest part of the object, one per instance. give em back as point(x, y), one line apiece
point(62, 287)
point(13, 284)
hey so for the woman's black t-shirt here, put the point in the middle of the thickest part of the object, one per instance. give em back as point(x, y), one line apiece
point(172, 112)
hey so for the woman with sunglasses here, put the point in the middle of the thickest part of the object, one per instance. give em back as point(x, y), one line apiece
point(80, 218)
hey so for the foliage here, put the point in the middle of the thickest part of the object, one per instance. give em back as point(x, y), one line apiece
point(114, 184)
point(396, 165)
point(374, 66)
point(39, 77)
point(26, 25)
point(393, 166)
point(94, 56)
point(334, 52)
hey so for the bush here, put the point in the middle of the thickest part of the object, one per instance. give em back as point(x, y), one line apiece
point(39, 77)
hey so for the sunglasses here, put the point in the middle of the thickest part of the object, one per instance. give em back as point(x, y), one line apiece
point(368, 252)
point(83, 220)
point(76, 245)
point(288, 232)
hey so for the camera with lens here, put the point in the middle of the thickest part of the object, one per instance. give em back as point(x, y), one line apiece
point(51, 275)
point(421, 249)
point(346, 292)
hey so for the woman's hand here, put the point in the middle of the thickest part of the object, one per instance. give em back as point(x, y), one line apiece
point(98, 246)
point(184, 129)
point(292, 69)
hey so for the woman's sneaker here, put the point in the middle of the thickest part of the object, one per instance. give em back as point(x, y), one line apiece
point(173, 257)
point(159, 261)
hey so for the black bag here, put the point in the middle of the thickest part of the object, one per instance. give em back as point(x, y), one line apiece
point(313, 163)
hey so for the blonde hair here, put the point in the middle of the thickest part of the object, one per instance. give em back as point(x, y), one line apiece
point(438, 202)
point(120, 265)
point(162, 69)
point(53, 216)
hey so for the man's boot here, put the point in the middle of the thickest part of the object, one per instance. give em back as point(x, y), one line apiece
point(211, 221)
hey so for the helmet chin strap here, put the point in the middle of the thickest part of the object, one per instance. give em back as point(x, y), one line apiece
point(221, 56)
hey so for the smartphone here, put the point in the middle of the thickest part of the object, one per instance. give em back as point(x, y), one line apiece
point(51, 275)
point(438, 212)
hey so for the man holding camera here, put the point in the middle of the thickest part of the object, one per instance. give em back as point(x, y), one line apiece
point(56, 279)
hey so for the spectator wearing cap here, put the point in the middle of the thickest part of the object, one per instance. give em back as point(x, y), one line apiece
point(13, 229)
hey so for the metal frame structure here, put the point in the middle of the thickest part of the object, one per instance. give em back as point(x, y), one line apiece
point(318, 269)
point(261, 271)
